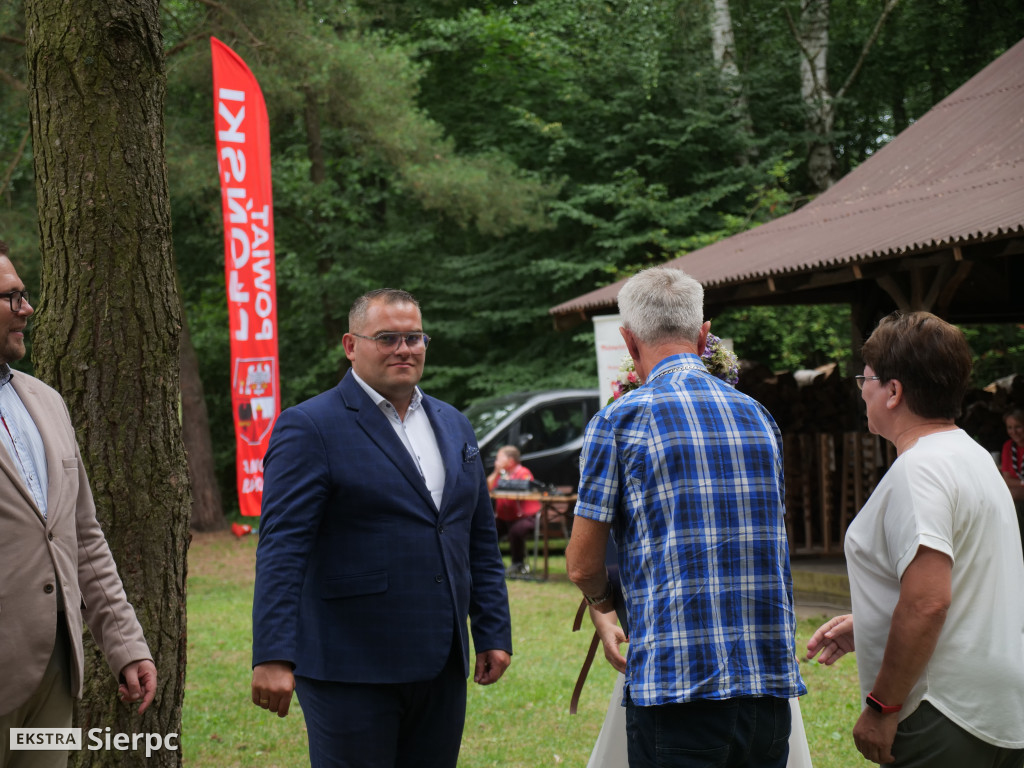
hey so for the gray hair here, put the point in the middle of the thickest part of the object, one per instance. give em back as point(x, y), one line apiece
point(661, 304)
point(361, 306)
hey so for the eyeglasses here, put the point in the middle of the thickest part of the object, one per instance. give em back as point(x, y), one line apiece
point(16, 298)
point(389, 342)
point(861, 379)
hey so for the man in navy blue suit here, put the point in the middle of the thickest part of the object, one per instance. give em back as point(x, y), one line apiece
point(377, 541)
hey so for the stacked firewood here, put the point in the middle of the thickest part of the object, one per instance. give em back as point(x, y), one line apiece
point(832, 462)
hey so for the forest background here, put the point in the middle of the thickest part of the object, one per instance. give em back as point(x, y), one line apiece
point(498, 158)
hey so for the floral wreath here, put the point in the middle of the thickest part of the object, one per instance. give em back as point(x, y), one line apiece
point(717, 359)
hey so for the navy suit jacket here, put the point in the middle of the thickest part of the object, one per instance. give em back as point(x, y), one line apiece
point(359, 577)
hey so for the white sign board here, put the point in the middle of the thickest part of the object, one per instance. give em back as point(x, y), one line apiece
point(610, 351)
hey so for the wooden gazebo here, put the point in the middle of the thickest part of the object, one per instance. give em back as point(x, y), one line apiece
point(932, 221)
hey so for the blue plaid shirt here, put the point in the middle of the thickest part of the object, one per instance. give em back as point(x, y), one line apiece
point(689, 473)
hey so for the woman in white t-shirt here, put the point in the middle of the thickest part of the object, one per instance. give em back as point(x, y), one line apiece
point(935, 567)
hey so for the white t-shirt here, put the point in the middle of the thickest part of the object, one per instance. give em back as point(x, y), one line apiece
point(946, 493)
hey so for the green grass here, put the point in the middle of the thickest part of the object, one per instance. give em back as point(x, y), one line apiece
point(523, 721)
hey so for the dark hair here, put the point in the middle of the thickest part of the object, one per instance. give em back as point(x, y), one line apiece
point(1014, 413)
point(4, 250)
point(927, 355)
point(357, 314)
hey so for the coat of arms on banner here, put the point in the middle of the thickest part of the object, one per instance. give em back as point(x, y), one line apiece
point(255, 399)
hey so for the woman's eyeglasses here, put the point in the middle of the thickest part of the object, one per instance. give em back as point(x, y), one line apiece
point(861, 379)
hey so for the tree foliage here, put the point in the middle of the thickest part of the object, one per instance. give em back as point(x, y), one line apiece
point(499, 158)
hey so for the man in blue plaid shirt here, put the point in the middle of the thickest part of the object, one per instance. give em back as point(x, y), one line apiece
point(686, 473)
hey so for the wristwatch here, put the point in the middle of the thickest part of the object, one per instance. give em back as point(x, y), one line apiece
point(602, 598)
point(878, 706)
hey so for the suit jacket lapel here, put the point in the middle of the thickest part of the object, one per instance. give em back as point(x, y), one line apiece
point(451, 451)
point(376, 426)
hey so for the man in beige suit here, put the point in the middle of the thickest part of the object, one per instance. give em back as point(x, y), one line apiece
point(55, 565)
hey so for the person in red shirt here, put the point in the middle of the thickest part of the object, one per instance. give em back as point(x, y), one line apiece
point(1012, 463)
point(512, 516)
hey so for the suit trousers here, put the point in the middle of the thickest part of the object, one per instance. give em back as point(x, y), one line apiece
point(386, 725)
point(51, 706)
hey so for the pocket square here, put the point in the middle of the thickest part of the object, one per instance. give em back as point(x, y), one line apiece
point(470, 453)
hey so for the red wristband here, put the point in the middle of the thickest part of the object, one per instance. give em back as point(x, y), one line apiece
point(878, 706)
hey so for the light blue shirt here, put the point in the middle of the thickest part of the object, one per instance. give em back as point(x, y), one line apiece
point(21, 439)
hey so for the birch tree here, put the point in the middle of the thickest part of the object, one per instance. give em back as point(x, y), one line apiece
point(723, 50)
point(812, 37)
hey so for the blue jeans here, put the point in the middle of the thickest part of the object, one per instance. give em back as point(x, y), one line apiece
point(732, 733)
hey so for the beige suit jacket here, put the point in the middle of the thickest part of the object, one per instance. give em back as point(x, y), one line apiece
point(64, 551)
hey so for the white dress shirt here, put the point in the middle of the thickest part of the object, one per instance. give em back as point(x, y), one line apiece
point(417, 435)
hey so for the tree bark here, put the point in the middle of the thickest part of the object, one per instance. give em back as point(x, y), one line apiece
point(818, 104)
point(207, 505)
point(109, 322)
point(314, 137)
point(723, 50)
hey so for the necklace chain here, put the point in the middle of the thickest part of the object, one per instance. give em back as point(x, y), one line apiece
point(677, 368)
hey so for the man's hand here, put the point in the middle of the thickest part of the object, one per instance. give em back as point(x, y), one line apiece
point(834, 639)
point(139, 683)
point(611, 635)
point(874, 734)
point(490, 665)
point(272, 686)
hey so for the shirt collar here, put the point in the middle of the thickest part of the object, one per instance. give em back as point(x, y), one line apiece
point(378, 398)
point(6, 374)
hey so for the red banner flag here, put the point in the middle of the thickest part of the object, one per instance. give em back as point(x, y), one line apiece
point(243, 159)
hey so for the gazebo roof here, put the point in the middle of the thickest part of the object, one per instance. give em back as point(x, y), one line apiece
point(933, 219)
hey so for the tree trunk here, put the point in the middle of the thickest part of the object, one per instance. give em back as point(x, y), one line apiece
point(723, 50)
point(723, 43)
point(207, 505)
point(818, 105)
point(314, 137)
point(107, 335)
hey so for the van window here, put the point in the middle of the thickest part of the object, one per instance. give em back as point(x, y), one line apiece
point(551, 426)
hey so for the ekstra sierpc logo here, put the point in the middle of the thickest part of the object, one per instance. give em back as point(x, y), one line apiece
point(40, 739)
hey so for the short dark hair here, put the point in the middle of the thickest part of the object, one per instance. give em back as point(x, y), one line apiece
point(4, 250)
point(357, 314)
point(928, 356)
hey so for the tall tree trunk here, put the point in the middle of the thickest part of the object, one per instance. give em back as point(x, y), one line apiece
point(207, 505)
point(334, 326)
point(723, 50)
point(107, 336)
point(314, 139)
point(818, 104)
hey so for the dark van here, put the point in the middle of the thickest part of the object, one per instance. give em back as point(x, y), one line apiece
point(546, 426)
